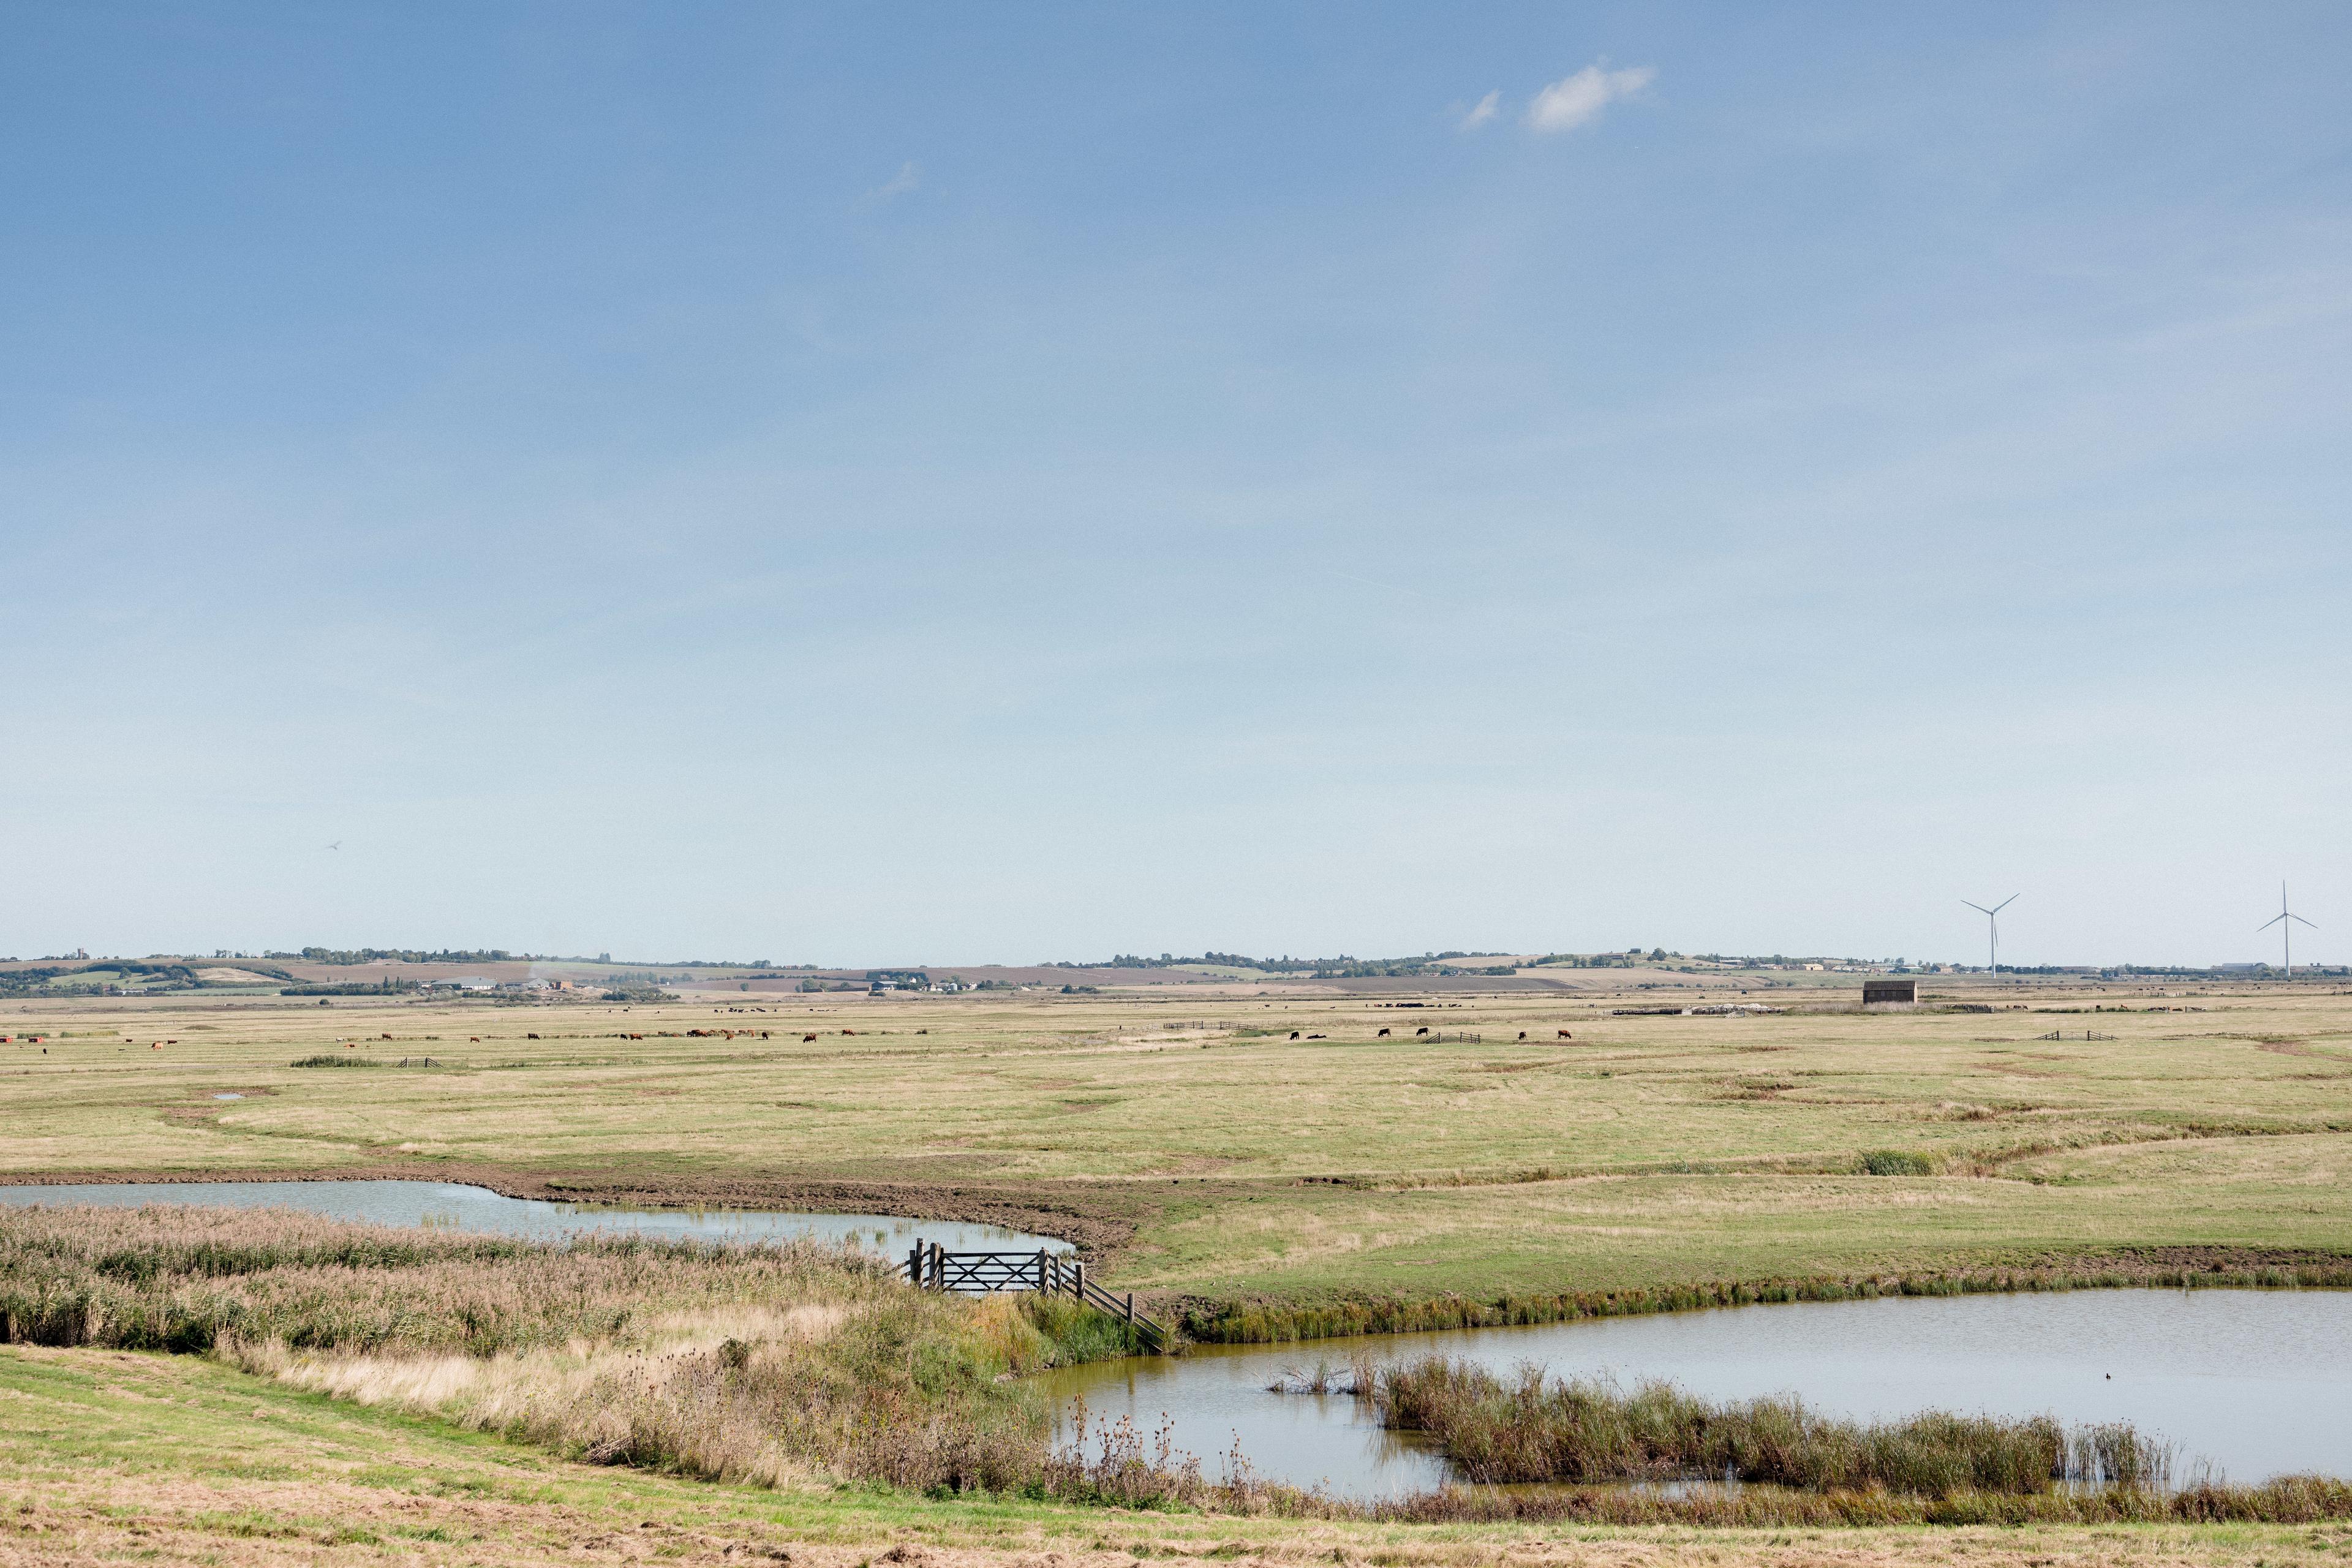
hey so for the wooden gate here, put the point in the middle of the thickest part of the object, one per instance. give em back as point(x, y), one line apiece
point(933, 1267)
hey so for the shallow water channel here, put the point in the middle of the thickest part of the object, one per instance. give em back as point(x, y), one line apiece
point(2251, 1384)
point(456, 1206)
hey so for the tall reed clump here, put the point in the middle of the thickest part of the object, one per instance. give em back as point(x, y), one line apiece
point(1533, 1428)
point(753, 1362)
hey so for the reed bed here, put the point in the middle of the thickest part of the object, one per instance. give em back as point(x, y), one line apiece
point(751, 1362)
point(1532, 1427)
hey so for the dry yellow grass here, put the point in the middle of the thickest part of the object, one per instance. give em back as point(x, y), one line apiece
point(1215, 1155)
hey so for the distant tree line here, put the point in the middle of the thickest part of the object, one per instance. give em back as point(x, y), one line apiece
point(1343, 967)
point(150, 977)
point(400, 955)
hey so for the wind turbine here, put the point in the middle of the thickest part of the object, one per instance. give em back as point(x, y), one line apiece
point(2285, 919)
point(1992, 918)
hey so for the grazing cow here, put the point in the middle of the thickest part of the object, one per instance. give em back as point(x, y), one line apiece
point(763, 1033)
point(1293, 1034)
point(849, 1031)
point(1423, 1030)
point(1566, 1035)
point(1523, 1034)
point(388, 1037)
point(806, 1038)
point(1384, 1034)
point(478, 1039)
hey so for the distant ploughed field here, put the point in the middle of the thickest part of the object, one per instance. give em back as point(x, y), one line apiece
point(1198, 1151)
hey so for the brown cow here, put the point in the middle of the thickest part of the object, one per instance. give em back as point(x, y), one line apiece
point(806, 1038)
point(1566, 1035)
point(849, 1031)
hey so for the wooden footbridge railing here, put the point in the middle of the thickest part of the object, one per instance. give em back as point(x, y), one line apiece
point(933, 1267)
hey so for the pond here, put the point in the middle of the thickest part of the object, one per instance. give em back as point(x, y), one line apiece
point(2251, 1384)
point(457, 1206)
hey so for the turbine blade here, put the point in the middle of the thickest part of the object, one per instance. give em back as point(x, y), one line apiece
point(2274, 920)
point(2006, 902)
point(2300, 921)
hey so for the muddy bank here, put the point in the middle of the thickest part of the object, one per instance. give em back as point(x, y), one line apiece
point(1099, 1218)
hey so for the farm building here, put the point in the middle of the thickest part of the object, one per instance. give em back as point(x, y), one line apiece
point(1890, 993)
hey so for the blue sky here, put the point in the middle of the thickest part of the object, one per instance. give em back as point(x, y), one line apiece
point(950, 484)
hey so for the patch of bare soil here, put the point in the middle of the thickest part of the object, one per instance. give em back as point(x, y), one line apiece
point(260, 1525)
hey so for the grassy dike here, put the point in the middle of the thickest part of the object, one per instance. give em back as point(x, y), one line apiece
point(1276, 1322)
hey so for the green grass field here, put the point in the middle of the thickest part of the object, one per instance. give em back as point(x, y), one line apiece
point(1203, 1152)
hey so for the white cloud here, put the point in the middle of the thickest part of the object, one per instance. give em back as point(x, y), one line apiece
point(1575, 100)
point(1485, 108)
point(899, 185)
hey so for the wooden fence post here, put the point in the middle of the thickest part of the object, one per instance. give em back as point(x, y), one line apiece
point(1079, 1287)
point(915, 1265)
point(1040, 1271)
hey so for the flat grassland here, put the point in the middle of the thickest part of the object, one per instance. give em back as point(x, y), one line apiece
point(1201, 1152)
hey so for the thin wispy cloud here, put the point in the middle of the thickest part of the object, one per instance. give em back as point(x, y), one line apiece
point(1577, 99)
point(906, 179)
point(1480, 112)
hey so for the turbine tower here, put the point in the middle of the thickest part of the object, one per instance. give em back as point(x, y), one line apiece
point(2286, 920)
point(1992, 919)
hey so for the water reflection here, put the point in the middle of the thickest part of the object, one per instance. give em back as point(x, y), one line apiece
point(459, 1206)
point(2251, 1382)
